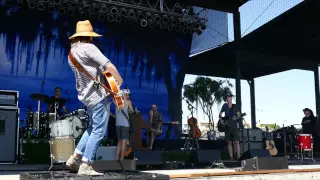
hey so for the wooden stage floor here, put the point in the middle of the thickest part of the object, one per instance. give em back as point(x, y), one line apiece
point(298, 172)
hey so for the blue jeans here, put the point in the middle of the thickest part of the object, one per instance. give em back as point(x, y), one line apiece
point(90, 140)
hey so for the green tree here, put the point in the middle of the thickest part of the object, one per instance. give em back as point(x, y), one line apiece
point(207, 92)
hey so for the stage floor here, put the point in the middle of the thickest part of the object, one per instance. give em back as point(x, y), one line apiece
point(299, 172)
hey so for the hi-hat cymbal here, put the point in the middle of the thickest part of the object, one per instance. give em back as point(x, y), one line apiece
point(53, 100)
point(39, 97)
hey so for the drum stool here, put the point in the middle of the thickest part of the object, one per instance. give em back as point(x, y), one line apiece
point(304, 144)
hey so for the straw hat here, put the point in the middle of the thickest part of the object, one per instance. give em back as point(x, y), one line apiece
point(84, 28)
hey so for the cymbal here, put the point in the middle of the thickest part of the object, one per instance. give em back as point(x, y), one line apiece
point(39, 97)
point(53, 100)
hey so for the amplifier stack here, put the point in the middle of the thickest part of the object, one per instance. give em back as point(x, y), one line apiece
point(9, 126)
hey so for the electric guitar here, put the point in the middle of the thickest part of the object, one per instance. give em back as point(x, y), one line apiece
point(226, 121)
point(270, 144)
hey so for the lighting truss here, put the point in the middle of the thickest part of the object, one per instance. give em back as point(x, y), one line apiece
point(161, 14)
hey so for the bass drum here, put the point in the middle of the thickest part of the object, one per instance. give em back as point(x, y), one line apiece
point(77, 125)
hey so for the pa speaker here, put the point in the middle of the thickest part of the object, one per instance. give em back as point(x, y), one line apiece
point(206, 156)
point(255, 153)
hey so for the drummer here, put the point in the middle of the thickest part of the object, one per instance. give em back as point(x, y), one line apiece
point(61, 108)
point(309, 121)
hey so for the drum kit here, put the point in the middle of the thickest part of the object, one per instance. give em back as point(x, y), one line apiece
point(61, 130)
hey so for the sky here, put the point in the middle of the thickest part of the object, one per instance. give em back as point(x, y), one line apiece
point(280, 97)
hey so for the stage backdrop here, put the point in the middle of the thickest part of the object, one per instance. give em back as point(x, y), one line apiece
point(34, 48)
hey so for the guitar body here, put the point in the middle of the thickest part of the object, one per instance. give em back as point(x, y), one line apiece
point(271, 147)
point(193, 124)
point(113, 86)
point(221, 127)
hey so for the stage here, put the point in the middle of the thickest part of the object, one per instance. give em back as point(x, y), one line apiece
point(307, 170)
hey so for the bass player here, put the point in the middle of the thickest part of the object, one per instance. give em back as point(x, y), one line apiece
point(90, 93)
point(232, 131)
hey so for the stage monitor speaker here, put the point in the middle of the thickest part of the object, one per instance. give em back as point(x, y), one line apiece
point(264, 163)
point(206, 156)
point(9, 129)
point(148, 157)
point(255, 153)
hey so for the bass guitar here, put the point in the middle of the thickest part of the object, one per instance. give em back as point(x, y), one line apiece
point(193, 125)
point(226, 121)
point(270, 145)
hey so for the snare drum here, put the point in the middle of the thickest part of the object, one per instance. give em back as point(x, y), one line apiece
point(62, 148)
point(304, 141)
point(81, 113)
point(52, 117)
point(61, 128)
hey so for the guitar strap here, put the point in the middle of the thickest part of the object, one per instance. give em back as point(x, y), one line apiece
point(78, 66)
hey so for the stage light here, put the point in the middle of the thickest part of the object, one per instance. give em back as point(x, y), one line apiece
point(110, 17)
point(181, 22)
point(190, 24)
point(114, 10)
point(70, 11)
point(45, 1)
point(57, 2)
point(20, 3)
point(41, 6)
point(103, 9)
point(62, 10)
point(185, 30)
point(199, 32)
point(143, 22)
point(50, 7)
point(127, 21)
point(83, 14)
point(170, 28)
point(123, 11)
point(102, 16)
point(157, 18)
point(140, 15)
point(173, 21)
point(131, 12)
point(32, 4)
point(118, 18)
point(163, 26)
point(151, 24)
point(148, 16)
point(92, 15)
point(165, 19)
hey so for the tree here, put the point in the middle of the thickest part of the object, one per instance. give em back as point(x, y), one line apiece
point(207, 92)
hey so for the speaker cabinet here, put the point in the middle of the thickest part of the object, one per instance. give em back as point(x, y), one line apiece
point(255, 153)
point(9, 130)
point(264, 163)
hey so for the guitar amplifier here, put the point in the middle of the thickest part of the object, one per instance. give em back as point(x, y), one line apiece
point(9, 98)
point(251, 135)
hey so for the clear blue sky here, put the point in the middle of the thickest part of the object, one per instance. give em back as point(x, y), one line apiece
point(280, 97)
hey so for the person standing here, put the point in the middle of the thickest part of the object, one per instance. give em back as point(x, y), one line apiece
point(123, 125)
point(90, 93)
point(155, 118)
point(232, 131)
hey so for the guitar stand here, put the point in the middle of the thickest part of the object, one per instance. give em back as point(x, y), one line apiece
point(190, 142)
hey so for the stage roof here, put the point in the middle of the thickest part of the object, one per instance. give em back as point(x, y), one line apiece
point(219, 5)
point(290, 41)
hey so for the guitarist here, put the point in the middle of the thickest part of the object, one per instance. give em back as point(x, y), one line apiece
point(87, 61)
point(123, 125)
point(232, 131)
